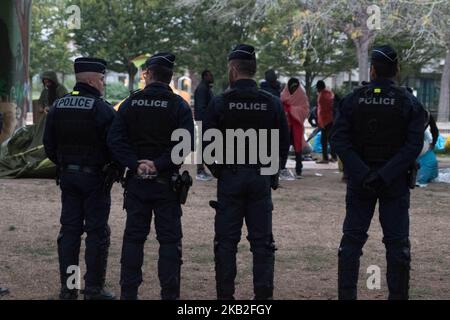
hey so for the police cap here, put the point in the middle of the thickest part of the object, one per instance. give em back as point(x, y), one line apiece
point(242, 52)
point(384, 54)
point(165, 59)
point(90, 65)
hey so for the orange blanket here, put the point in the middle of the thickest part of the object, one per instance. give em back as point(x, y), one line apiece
point(296, 106)
point(325, 108)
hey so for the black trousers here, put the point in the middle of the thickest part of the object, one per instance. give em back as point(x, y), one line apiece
point(324, 139)
point(394, 219)
point(144, 199)
point(244, 194)
point(85, 208)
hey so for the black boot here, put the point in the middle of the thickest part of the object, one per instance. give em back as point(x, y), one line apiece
point(169, 270)
point(349, 254)
point(226, 270)
point(99, 292)
point(347, 292)
point(263, 268)
point(298, 165)
point(4, 291)
point(68, 294)
point(398, 268)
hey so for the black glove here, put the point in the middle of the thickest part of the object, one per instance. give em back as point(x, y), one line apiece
point(275, 181)
point(215, 169)
point(373, 182)
point(113, 173)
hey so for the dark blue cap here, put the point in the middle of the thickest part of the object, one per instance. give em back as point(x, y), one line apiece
point(90, 65)
point(242, 52)
point(165, 59)
point(384, 54)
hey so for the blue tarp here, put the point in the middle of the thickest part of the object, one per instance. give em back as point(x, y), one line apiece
point(428, 168)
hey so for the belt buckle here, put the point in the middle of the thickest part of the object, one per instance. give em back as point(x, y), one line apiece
point(151, 176)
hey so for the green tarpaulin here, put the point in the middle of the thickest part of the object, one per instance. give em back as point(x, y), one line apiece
point(23, 156)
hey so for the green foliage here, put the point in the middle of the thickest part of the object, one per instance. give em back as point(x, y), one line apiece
point(414, 53)
point(295, 39)
point(291, 48)
point(119, 31)
point(116, 91)
point(49, 38)
point(209, 39)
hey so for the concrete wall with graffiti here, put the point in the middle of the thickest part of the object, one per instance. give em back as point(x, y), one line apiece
point(14, 56)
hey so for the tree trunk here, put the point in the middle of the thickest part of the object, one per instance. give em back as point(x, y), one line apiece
point(308, 84)
point(362, 51)
point(350, 87)
point(444, 96)
point(132, 70)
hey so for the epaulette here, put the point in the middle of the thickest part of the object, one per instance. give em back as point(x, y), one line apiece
point(134, 92)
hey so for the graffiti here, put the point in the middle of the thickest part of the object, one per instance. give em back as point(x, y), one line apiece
point(23, 9)
point(6, 59)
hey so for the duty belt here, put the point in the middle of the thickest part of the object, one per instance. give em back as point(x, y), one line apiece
point(164, 179)
point(78, 168)
point(237, 167)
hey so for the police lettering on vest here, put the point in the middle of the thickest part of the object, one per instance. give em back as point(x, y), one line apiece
point(75, 103)
point(150, 103)
point(247, 106)
point(378, 100)
point(379, 125)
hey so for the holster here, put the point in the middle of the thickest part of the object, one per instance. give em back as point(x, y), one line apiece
point(112, 173)
point(275, 181)
point(215, 169)
point(412, 174)
point(58, 175)
point(181, 185)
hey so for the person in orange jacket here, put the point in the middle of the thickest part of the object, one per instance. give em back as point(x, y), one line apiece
point(325, 101)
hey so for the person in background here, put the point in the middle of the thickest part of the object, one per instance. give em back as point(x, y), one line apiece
point(296, 106)
point(202, 96)
point(271, 83)
point(325, 118)
point(52, 91)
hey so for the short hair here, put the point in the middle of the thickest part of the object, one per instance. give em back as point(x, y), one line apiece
point(161, 73)
point(245, 67)
point(320, 85)
point(385, 70)
point(204, 73)
point(270, 75)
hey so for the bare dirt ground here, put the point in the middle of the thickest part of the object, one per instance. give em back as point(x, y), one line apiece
point(307, 221)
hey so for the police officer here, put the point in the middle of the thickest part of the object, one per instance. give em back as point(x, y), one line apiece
point(75, 140)
point(242, 191)
point(140, 139)
point(378, 135)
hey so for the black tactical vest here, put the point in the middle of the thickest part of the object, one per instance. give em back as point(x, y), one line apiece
point(151, 120)
point(248, 109)
point(379, 123)
point(76, 131)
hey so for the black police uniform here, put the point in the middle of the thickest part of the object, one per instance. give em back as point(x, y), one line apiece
point(75, 140)
point(142, 130)
point(242, 192)
point(378, 134)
